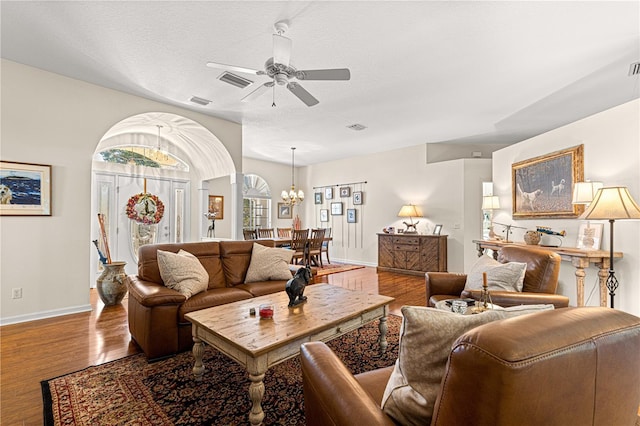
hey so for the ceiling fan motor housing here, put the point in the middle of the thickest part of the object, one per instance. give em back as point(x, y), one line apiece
point(279, 72)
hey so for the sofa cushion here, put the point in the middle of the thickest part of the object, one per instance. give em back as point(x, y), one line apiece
point(182, 272)
point(209, 299)
point(269, 264)
point(426, 338)
point(261, 288)
point(500, 276)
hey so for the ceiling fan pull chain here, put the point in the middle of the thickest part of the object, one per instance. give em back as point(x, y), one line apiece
point(273, 105)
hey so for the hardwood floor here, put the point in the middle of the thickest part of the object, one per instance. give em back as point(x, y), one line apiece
point(39, 350)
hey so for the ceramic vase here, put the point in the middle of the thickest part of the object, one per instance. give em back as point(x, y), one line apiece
point(532, 238)
point(111, 283)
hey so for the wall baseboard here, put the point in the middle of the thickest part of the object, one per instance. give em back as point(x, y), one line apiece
point(45, 314)
point(354, 262)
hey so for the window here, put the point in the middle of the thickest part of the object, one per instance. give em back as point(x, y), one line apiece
point(256, 204)
point(142, 156)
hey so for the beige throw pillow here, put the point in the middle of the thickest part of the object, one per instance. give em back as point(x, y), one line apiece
point(426, 338)
point(500, 276)
point(269, 263)
point(182, 272)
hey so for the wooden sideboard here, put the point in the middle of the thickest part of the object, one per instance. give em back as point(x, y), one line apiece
point(412, 254)
point(579, 258)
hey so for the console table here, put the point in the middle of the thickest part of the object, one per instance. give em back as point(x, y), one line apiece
point(412, 254)
point(579, 258)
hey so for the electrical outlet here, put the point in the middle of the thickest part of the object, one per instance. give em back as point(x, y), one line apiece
point(16, 293)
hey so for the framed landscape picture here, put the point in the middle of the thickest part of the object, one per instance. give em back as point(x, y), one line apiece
point(351, 215)
point(284, 211)
point(25, 189)
point(336, 209)
point(324, 215)
point(357, 198)
point(542, 186)
point(216, 206)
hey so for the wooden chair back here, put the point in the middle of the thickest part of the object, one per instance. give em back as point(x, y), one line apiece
point(250, 234)
point(265, 233)
point(284, 232)
point(299, 240)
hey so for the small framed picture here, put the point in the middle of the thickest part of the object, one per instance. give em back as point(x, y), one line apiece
point(317, 197)
point(216, 206)
point(357, 198)
point(345, 192)
point(324, 215)
point(589, 236)
point(437, 229)
point(336, 209)
point(25, 189)
point(284, 211)
point(351, 215)
point(328, 193)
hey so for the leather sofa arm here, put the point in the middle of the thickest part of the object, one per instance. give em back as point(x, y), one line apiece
point(444, 283)
point(332, 395)
point(510, 298)
point(150, 294)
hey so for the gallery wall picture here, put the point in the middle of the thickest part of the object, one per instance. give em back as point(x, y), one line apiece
point(351, 216)
point(216, 206)
point(25, 189)
point(345, 192)
point(336, 209)
point(328, 193)
point(324, 215)
point(284, 211)
point(357, 198)
point(317, 198)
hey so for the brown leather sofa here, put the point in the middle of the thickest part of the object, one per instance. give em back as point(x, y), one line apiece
point(540, 280)
point(571, 366)
point(156, 312)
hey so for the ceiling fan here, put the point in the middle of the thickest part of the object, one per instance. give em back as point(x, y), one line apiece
point(281, 71)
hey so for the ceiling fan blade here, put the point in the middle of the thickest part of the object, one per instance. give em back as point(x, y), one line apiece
point(259, 91)
point(281, 49)
point(302, 94)
point(234, 68)
point(331, 74)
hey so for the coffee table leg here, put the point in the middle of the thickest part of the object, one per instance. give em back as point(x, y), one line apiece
point(382, 325)
point(198, 352)
point(256, 392)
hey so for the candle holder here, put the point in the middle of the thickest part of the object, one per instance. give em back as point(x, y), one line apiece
point(485, 303)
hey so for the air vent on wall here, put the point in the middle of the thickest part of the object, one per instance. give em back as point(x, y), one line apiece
point(235, 80)
point(634, 69)
point(357, 127)
point(200, 101)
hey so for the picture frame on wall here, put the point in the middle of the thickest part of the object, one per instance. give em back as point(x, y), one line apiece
point(437, 230)
point(328, 193)
point(351, 216)
point(324, 215)
point(25, 189)
point(336, 209)
point(357, 198)
point(542, 186)
point(285, 211)
point(317, 198)
point(345, 192)
point(589, 236)
point(216, 206)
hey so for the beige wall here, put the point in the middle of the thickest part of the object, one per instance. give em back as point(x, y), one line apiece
point(50, 119)
point(611, 155)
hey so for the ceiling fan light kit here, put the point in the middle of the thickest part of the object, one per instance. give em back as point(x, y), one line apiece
point(281, 71)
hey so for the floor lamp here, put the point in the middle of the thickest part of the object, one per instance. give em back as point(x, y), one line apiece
point(612, 203)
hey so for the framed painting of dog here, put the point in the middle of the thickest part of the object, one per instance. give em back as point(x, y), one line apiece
point(25, 189)
point(542, 186)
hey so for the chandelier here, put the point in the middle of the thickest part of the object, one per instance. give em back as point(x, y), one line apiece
point(292, 197)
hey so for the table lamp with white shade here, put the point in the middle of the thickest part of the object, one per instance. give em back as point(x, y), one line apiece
point(410, 211)
point(612, 203)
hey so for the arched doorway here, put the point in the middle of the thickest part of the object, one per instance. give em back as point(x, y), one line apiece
point(166, 156)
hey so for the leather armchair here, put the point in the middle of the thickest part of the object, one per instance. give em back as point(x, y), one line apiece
point(571, 366)
point(540, 280)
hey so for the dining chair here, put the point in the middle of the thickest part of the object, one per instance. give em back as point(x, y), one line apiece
point(250, 234)
point(284, 232)
point(315, 246)
point(325, 245)
point(299, 245)
point(265, 233)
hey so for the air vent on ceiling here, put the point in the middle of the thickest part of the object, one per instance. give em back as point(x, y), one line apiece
point(235, 80)
point(634, 69)
point(356, 127)
point(200, 101)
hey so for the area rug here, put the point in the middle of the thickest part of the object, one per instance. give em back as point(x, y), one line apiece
point(131, 391)
point(335, 268)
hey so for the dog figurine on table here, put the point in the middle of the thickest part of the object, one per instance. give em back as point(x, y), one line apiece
point(295, 286)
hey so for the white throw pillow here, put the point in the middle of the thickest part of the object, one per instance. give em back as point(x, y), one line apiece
point(269, 263)
point(426, 338)
point(500, 276)
point(182, 272)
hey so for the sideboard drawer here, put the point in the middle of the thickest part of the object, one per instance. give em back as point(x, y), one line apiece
point(405, 247)
point(406, 240)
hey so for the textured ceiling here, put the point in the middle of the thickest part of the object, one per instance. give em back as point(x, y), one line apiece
point(421, 71)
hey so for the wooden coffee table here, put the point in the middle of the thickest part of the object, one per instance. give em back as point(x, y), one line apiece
point(258, 344)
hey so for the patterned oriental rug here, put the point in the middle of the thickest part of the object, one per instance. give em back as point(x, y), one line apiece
point(130, 391)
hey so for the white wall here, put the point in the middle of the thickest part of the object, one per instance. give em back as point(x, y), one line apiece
point(50, 119)
point(611, 155)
